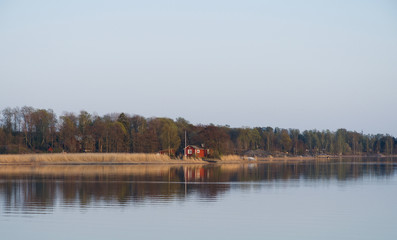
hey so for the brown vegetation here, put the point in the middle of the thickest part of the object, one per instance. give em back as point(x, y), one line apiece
point(86, 158)
point(230, 158)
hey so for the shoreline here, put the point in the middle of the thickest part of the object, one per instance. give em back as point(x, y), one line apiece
point(153, 159)
point(303, 158)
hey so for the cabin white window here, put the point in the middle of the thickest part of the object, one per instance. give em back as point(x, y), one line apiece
point(198, 150)
point(189, 151)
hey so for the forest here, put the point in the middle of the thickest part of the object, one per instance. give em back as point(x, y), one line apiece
point(31, 130)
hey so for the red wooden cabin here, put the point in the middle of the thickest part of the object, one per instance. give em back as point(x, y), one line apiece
point(194, 151)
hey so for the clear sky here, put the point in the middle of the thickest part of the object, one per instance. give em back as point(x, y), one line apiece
point(290, 64)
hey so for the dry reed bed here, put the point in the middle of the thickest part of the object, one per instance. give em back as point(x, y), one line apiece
point(114, 158)
point(83, 158)
point(230, 158)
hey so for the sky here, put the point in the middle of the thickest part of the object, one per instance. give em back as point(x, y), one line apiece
point(289, 64)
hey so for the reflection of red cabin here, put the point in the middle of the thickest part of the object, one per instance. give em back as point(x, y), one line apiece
point(195, 174)
point(194, 151)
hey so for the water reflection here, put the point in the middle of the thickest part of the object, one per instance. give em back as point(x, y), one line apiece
point(39, 189)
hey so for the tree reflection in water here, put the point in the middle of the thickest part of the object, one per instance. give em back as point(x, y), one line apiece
point(31, 189)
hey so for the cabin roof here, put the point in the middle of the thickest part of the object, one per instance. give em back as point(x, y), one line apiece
point(195, 147)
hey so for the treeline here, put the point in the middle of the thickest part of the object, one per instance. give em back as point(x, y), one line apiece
point(26, 130)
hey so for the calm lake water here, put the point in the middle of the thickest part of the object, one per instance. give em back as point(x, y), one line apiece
point(349, 199)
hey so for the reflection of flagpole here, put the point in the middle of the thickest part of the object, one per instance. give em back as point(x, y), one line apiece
point(184, 174)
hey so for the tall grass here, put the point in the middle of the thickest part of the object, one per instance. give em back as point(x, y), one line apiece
point(231, 158)
point(89, 158)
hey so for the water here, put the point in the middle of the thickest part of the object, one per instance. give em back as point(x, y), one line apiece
point(349, 199)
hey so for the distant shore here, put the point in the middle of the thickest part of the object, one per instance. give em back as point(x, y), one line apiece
point(143, 158)
point(235, 158)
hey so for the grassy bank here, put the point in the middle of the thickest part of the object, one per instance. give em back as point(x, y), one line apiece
point(87, 158)
point(120, 158)
point(143, 158)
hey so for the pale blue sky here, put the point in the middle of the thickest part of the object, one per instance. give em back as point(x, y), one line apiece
point(291, 64)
